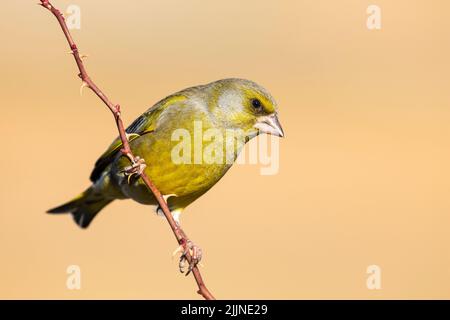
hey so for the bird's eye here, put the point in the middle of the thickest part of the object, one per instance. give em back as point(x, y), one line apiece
point(256, 104)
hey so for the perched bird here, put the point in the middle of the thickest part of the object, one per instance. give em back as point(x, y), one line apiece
point(220, 107)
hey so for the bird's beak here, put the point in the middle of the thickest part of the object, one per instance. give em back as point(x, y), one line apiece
point(270, 125)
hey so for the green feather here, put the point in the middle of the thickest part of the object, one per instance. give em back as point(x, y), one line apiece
point(221, 105)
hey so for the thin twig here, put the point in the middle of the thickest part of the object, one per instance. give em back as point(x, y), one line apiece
point(126, 150)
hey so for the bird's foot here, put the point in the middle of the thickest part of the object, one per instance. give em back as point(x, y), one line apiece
point(187, 247)
point(136, 168)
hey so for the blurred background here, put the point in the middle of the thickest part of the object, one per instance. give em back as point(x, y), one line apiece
point(364, 173)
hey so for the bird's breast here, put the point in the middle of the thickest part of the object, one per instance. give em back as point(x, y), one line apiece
point(183, 163)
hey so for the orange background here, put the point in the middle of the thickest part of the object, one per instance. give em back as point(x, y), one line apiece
point(364, 169)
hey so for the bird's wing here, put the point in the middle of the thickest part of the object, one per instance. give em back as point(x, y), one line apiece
point(146, 123)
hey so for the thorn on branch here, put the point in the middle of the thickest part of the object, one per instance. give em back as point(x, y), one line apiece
point(178, 250)
point(83, 84)
point(82, 57)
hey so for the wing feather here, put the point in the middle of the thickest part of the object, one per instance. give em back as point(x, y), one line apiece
point(144, 124)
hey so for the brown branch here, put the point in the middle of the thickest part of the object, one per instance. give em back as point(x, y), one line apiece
point(126, 150)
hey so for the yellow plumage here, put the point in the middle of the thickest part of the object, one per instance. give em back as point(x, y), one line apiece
point(219, 107)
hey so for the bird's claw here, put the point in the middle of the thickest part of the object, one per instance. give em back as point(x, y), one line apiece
point(188, 247)
point(136, 168)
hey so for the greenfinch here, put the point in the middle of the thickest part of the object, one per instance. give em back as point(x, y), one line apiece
point(170, 138)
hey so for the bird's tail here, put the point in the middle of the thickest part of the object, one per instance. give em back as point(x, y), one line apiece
point(84, 207)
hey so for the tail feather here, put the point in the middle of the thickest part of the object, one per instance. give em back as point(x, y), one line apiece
point(83, 208)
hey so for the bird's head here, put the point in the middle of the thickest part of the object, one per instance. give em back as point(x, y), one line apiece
point(245, 105)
